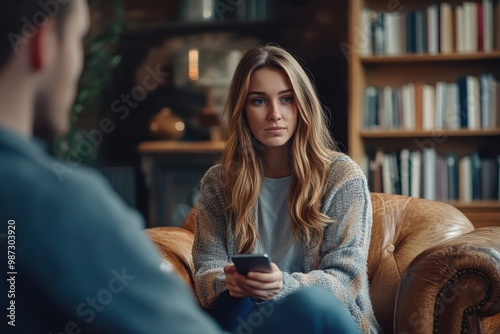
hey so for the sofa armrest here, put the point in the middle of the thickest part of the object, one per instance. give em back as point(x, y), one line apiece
point(175, 245)
point(452, 285)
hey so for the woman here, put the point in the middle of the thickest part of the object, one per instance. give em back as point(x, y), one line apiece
point(282, 189)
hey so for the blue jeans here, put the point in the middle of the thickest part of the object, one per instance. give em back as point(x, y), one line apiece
point(308, 310)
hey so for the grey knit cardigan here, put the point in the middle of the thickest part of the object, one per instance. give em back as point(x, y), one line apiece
point(339, 265)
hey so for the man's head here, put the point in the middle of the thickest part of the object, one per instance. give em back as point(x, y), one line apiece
point(42, 40)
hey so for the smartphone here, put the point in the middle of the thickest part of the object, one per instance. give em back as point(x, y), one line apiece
point(245, 263)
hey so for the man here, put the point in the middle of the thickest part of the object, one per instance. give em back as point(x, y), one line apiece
point(78, 261)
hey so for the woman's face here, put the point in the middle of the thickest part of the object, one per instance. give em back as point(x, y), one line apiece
point(271, 110)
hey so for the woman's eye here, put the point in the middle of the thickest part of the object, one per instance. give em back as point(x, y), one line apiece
point(287, 99)
point(258, 101)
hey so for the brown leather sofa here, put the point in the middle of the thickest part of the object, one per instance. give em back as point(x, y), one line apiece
point(430, 271)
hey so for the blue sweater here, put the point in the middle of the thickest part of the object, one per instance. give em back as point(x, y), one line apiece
point(82, 261)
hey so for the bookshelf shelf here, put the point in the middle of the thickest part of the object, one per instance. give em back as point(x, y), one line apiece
point(367, 134)
point(477, 205)
point(371, 143)
point(481, 213)
point(420, 58)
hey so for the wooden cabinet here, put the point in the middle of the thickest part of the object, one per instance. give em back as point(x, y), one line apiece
point(382, 70)
point(173, 171)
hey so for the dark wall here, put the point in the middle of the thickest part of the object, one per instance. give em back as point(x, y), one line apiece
point(316, 30)
point(312, 29)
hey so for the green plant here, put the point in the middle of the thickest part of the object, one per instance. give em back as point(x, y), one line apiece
point(101, 58)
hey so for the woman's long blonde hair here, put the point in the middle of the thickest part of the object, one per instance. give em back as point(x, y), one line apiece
point(311, 150)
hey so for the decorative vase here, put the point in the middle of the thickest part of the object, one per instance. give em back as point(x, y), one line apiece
point(165, 125)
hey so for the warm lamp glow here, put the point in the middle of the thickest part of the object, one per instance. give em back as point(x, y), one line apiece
point(194, 72)
point(179, 126)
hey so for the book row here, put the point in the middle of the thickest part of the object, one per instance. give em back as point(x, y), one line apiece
point(440, 28)
point(425, 174)
point(469, 103)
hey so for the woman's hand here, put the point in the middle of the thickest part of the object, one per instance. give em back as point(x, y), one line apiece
point(257, 285)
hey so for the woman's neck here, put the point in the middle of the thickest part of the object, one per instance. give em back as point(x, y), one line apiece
point(276, 162)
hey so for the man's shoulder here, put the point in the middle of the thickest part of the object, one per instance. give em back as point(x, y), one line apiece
point(52, 188)
point(27, 175)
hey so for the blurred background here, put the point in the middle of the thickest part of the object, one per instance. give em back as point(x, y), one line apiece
point(156, 75)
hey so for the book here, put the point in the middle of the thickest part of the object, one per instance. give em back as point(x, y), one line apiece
point(364, 34)
point(470, 26)
point(433, 29)
point(480, 27)
point(411, 33)
point(441, 179)
point(371, 167)
point(496, 104)
point(463, 101)
point(388, 174)
point(465, 179)
point(395, 117)
point(476, 175)
point(419, 105)
point(473, 103)
point(387, 116)
point(452, 111)
point(446, 28)
point(496, 30)
point(452, 175)
point(459, 29)
point(489, 180)
point(405, 172)
point(486, 105)
point(377, 32)
point(399, 94)
point(429, 173)
point(396, 165)
point(371, 108)
point(428, 107)
point(488, 25)
point(415, 171)
point(420, 32)
point(408, 94)
point(380, 108)
point(379, 159)
point(440, 101)
point(394, 33)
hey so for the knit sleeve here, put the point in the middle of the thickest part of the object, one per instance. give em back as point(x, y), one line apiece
point(341, 266)
point(210, 253)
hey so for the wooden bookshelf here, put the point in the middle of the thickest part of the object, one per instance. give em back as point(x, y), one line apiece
point(425, 134)
point(397, 70)
point(420, 58)
point(186, 147)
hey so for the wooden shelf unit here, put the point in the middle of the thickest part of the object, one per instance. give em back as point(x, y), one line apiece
point(420, 58)
point(380, 70)
point(172, 171)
